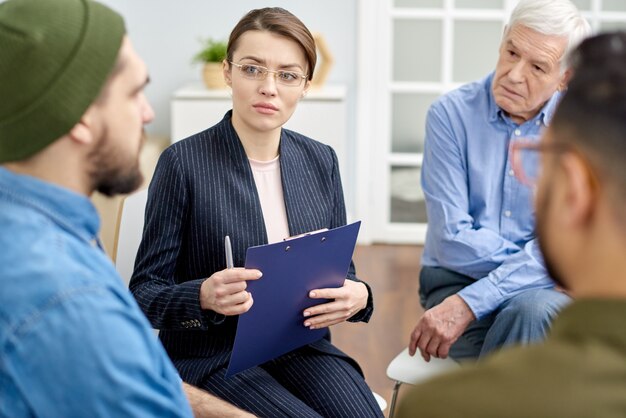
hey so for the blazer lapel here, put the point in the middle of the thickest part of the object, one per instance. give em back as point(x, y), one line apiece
point(294, 188)
point(240, 166)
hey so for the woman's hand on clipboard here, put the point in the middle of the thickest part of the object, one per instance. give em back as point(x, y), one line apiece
point(348, 300)
point(225, 291)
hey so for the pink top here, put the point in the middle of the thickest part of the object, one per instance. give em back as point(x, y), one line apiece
point(270, 188)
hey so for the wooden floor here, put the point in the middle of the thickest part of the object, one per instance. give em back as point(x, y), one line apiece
point(392, 272)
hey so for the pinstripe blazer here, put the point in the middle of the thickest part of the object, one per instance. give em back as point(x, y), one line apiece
point(202, 190)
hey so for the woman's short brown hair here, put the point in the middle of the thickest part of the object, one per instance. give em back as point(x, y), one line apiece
point(281, 22)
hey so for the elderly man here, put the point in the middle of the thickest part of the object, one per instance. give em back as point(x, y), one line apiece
point(483, 283)
point(73, 342)
point(580, 370)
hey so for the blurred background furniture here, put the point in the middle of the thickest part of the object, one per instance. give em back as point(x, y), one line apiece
point(129, 232)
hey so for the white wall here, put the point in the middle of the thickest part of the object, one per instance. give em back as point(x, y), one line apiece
point(166, 33)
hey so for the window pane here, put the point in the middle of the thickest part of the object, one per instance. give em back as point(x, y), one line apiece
point(583, 4)
point(416, 50)
point(611, 26)
point(418, 3)
point(407, 198)
point(475, 49)
point(479, 4)
point(408, 121)
point(614, 5)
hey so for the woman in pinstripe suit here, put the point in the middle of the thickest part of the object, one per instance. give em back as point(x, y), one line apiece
point(248, 178)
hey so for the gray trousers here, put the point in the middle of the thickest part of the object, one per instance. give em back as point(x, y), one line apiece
point(523, 319)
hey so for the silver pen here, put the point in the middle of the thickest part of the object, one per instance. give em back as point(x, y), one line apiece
point(229, 253)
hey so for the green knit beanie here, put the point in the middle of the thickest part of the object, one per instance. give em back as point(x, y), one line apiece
point(55, 57)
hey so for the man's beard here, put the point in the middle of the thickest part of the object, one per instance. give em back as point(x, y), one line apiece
point(112, 172)
point(542, 212)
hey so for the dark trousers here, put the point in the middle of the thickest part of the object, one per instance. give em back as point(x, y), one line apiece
point(522, 319)
point(303, 383)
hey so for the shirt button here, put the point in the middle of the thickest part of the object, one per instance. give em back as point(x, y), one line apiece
point(507, 213)
point(518, 132)
point(511, 173)
point(538, 123)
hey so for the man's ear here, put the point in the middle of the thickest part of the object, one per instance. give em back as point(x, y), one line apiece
point(82, 131)
point(227, 72)
point(581, 191)
point(565, 78)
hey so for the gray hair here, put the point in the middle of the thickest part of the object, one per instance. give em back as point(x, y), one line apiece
point(552, 18)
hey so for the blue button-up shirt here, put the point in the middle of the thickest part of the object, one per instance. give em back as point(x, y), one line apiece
point(480, 217)
point(73, 342)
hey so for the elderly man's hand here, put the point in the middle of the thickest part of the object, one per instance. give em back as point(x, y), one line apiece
point(440, 327)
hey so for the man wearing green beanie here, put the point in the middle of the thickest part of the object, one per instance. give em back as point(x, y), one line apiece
point(73, 342)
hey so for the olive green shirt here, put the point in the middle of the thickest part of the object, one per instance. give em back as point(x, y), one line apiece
point(579, 371)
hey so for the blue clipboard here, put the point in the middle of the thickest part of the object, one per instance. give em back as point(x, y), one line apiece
point(274, 325)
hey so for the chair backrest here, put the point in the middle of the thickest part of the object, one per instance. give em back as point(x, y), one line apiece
point(129, 232)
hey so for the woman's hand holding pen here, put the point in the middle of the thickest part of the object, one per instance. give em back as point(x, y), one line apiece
point(225, 291)
point(348, 300)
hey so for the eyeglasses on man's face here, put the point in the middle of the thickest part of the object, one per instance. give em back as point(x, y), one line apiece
point(526, 159)
point(258, 72)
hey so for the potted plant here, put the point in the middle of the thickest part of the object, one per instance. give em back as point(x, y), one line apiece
point(211, 55)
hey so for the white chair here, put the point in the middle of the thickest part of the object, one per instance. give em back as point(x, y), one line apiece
point(406, 369)
point(129, 231)
point(382, 403)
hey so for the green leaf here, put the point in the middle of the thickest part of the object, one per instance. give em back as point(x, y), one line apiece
point(212, 51)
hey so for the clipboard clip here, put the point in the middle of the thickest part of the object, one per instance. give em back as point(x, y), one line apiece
point(317, 231)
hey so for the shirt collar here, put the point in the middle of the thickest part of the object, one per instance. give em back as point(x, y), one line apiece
point(592, 318)
point(544, 115)
point(72, 211)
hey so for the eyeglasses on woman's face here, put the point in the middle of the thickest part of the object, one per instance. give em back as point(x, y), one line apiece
point(258, 72)
point(526, 159)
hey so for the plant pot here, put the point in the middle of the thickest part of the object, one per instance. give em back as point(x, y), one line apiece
point(213, 75)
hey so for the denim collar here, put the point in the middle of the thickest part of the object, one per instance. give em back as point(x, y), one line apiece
point(73, 212)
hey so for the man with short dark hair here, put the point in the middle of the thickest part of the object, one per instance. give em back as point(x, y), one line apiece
point(580, 369)
point(73, 341)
